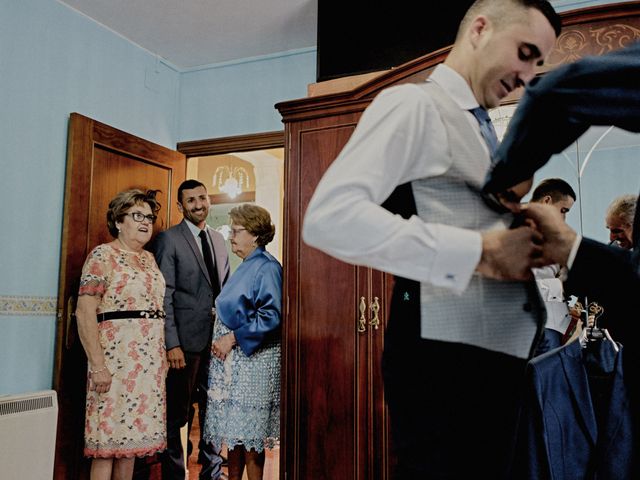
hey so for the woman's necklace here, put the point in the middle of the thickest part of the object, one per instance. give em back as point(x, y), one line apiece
point(125, 247)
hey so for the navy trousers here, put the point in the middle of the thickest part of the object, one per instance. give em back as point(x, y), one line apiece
point(182, 387)
point(453, 407)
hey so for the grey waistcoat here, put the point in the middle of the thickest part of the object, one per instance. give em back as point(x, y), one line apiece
point(499, 316)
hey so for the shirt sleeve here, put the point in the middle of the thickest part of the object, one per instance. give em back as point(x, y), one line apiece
point(165, 255)
point(93, 280)
point(397, 140)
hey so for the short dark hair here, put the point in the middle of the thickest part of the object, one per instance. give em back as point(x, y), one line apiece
point(499, 11)
point(126, 199)
point(556, 188)
point(544, 7)
point(188, 185)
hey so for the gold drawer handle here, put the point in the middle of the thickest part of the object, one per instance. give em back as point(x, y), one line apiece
point(375, 308)
point(363, 321)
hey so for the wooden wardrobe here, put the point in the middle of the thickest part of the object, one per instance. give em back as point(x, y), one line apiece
point(334, 421)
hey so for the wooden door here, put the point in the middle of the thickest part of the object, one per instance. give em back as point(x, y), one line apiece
point(333, 411)
point(101, 161)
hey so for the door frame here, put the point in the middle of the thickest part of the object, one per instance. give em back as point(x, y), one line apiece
point(245, 143)
point(237, 143)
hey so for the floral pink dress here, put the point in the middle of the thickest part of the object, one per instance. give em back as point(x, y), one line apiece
point(130, 419)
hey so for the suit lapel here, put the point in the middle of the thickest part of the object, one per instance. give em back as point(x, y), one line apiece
point(576, 376)
point(191, 241)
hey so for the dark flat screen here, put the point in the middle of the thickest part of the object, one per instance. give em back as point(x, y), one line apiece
point(359, 37)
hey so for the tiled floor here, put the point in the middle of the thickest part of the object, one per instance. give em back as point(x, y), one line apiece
point(271, 466)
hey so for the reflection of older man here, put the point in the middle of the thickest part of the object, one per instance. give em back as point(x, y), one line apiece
point(619, 219)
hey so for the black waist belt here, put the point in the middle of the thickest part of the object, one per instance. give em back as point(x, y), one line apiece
point(130, 314)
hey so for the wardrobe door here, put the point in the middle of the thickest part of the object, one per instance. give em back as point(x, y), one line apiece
point(328, 369)
point(377, 441)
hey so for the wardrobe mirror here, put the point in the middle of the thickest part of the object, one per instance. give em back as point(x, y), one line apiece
point(601, 165)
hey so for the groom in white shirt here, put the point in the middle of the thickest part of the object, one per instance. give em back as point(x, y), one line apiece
point(465, 314)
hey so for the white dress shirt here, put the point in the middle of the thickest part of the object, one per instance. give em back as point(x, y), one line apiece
point(195, 231)
point(551, 290)
point(393, 144)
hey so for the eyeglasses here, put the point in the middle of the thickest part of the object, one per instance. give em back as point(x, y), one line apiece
point(234, 231)
point(140, 217)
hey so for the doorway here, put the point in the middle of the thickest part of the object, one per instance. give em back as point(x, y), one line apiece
point(236, 170)
point(271, 464)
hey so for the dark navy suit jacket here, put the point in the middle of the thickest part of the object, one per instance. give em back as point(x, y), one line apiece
point(558, 435)
point(560, 106)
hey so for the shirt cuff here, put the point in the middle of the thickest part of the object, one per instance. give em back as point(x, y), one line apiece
point(458, 254)
point(574, 251)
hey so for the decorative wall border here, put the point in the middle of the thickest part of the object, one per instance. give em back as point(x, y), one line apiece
point(27, 306)
point(597, 38)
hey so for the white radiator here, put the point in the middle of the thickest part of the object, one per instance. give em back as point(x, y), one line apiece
point(28, 435)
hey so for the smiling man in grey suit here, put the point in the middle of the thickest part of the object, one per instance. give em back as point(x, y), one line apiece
point(193, 259)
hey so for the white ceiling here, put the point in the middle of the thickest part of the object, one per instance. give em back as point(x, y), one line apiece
point(193, 33)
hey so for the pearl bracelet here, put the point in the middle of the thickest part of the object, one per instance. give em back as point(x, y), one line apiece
point(98, 370)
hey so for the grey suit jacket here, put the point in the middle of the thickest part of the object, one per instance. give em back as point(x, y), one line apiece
point(188, 298)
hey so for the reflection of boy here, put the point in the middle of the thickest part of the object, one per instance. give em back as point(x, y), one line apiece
point(559, 194)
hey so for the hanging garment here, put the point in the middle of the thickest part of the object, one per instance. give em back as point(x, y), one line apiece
point(561, 435)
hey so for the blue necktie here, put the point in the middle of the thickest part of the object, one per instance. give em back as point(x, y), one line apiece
point(486, 129)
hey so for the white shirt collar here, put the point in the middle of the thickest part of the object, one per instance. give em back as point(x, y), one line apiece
point(455, 85)
point(194, 229)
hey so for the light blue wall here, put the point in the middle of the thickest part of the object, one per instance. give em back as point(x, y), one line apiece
point(239, 98)
point(54, 61)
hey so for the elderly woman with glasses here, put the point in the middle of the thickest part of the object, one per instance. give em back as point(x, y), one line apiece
point(121, 327)
point(243, 409)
